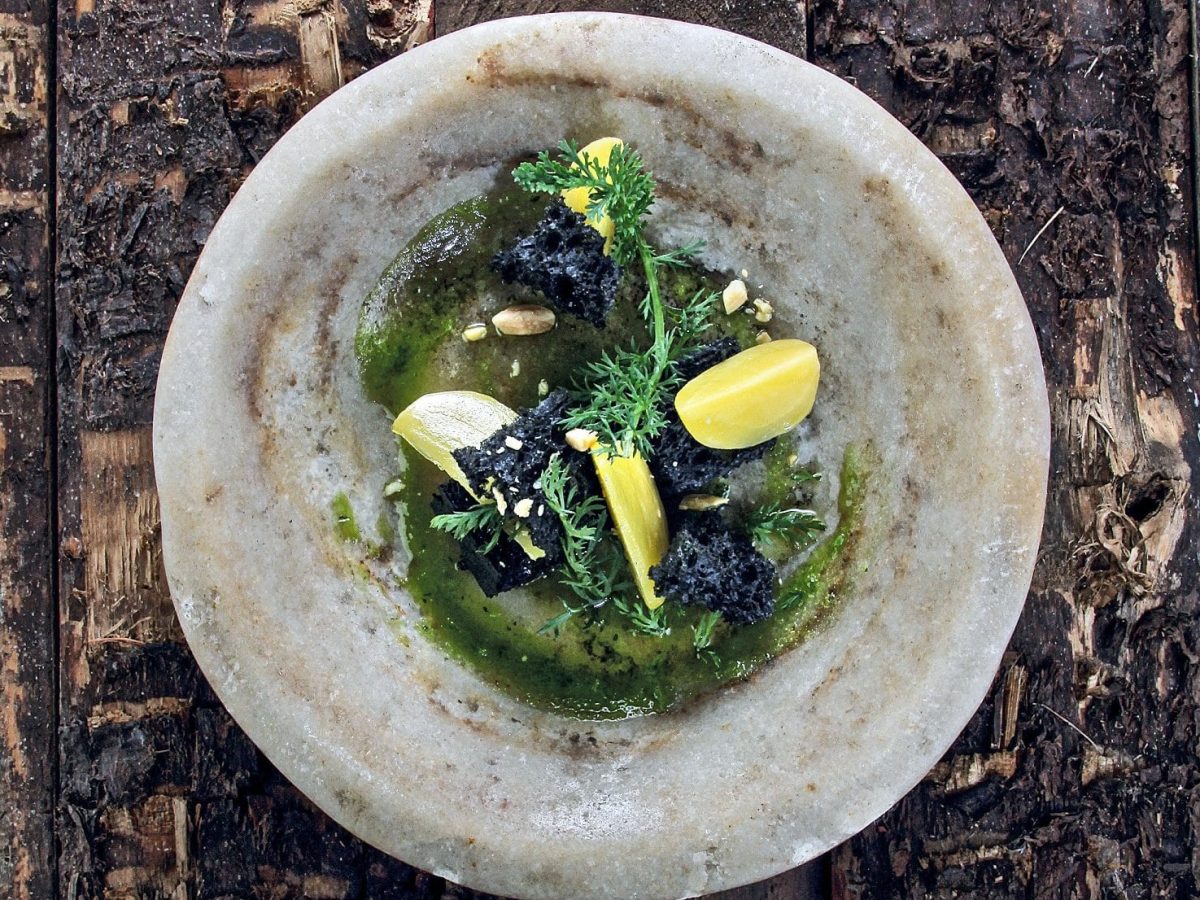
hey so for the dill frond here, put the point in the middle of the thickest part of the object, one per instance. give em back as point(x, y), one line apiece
point(483, 517)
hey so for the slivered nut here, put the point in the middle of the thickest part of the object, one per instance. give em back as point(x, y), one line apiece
point(501, 503)
point(581, 439)
point(524, 319)
point(763, 311)
point(523, 508)
point(476, 332)
point(762, 338)
point(701, 502)
point(734, 296)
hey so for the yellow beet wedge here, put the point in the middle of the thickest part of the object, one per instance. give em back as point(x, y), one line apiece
point(638, 516)
point(438, 424)
point(752, 397)
point(577, 198)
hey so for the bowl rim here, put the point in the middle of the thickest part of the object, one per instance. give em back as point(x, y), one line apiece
point(242, 704)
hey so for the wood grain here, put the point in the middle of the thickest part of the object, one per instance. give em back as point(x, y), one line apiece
point(163, 109)
point(782, 23)
point(1069, 123)
point(26, 604)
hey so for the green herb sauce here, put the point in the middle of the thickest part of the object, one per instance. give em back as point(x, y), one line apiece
point(343, 519)
point(409, 343)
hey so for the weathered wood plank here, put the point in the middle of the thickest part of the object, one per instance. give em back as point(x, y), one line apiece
point(1075, 778)
point(163, 109)
point(782, 23)
point(26, 538)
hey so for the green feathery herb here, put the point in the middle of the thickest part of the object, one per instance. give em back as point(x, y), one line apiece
point(772, 524)
point(652, 622)
point(703, 631)
point(802, 477)
point(622, 396)
point(483, 517)
point(593, 572)
point(621, 190)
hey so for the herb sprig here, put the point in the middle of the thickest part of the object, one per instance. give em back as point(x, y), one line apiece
point(652, 622)
point(774, 524)
point(624, 392)
point(484, 517)
point(591, 571)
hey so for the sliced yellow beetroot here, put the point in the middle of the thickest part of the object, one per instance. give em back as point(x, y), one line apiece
point(638, 516)
point(577, 198)
point(752, 397)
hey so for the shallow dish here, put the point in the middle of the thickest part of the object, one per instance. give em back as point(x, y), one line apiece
point(873, 252)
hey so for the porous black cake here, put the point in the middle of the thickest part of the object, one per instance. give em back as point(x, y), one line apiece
point(510, 463)
point(564, 259)
point(505, 566)
point(709, 564)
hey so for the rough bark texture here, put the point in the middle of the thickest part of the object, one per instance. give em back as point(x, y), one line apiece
point(1078, 777)
point(163, 109)
point(26, 606)
point(779, 22)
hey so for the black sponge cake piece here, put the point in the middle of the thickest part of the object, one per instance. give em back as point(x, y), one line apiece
point(511, 461)
point(505, 566)
point(709, 564)
point(564, 260)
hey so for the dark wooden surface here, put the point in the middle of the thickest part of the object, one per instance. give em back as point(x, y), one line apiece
point(126, 125)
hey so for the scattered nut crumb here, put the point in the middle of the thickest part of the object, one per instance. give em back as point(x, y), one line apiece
point(513, 443)
point(515, 370)
point(476, 332)
point(700, 502)
point(745, 274)
point(762, 338)
point(764, 312)
point(734, 296)
point(543, 388)
point(501, 503)
point(523, 508)
point(582, 439)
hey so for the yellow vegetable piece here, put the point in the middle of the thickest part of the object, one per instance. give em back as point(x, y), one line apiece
point(525, 540)
point(638, 516)
point(438, 424)
point(752, 397)
point(577, 198)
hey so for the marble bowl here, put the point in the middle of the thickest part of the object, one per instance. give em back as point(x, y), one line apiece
point(871, 250)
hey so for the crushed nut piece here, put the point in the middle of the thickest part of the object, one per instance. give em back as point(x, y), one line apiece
point(523, 319)
point(475, 332)
point(513, 443)
point(734, 296)
point(701, 502)
point(523, 508)
point(582, 439)
point(762, 338)
point(501, 503)
point(543, 388)
point(745, 274)
point(515, 370)
point(764, 312)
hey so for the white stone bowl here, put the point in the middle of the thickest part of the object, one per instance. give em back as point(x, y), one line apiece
point(870, 249)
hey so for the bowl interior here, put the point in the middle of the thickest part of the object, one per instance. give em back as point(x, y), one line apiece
point(867, 247)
